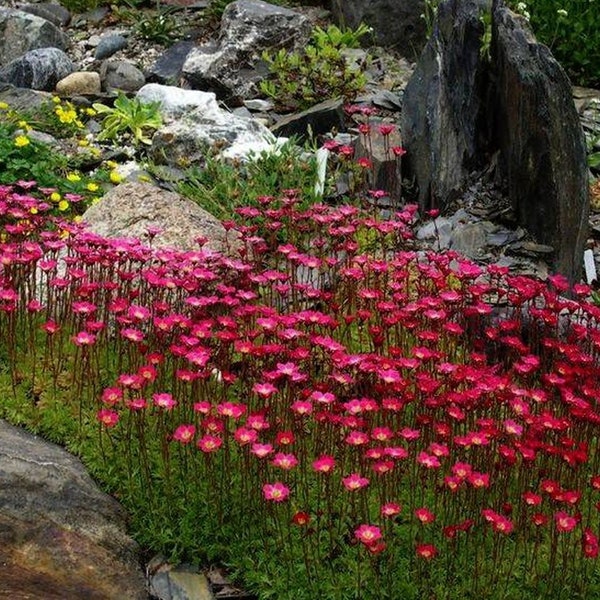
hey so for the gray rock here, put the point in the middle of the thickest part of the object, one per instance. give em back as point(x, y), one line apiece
point(55, 13)
point(386, 99)
point(194, 124)
point(121, 75)
point(60, 537)
point(231, 68)
point(129, 209)
point(38, 69)
point(541, 142)
point(108, 45)
point(320, 119)
point(469, 239)
point(21, 32)
point(395, 23)
point(167, 68)
point(443, 106)
point(259, 105)
point(84, 83)
point(22, 98)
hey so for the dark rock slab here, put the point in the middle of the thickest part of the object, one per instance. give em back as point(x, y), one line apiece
point(320, 119)
point(444, 104)
point(542, 147)
point(510, 115)
point(167, 68)
point(396, 23)
point(22, 99)
point(60, 537)
point(38, 69)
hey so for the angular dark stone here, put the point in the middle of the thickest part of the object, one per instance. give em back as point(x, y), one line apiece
point(55, 13)
point(443, 104)
point(167, 68)
point(542, 147)
point(121, 75)
point(21, 32)
point(463, 113)
point(232, 67)
point(38, 69)
point(320, 119)
point(108, 45)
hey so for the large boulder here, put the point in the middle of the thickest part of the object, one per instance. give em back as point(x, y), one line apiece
point(38, 69)
point(231, 66)
point(444, 104)
point(21, 32)
point(509, 112)
point(194, 124)
point(166, 219)
point(396, 23)
point(60, 537)
point(541, 142)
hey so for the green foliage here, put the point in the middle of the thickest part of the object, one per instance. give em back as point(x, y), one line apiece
point(220, 187)
point(25, 159)
point(129, 117)
point(80, 6)
point(159, 26)
point(571, 28)
point(301, 79)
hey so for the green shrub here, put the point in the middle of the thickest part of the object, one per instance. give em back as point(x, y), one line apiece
point(571, 29)
point(301, 79)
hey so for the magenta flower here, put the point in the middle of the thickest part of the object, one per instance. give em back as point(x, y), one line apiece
point(324, 464)
point(368, 534)
point(184, 433)
point(354, 482)
point(107, 417)
point(277, 492)
point(209, 443)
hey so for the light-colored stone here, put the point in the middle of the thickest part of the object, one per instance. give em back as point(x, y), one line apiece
point(195, 124)
point(80, 83)
point(128, 210)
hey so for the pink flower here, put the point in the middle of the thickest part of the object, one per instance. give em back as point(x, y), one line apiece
point(426, 551)
point(83, 338)
point(368, 534)
point(184, 433)
point(390, 509)
point(386, 129)
point(564, 522)
point(245, 436)
point(428, 460)
point(284, 461)
point(354, 482)
point(107, 417)
point(209, 443)
point(164, 400)
point(424, 515)
point(324, 464)
point(261, 450)
point(277, 492)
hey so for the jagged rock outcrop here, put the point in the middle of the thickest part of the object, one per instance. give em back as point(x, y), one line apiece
point(506, 108)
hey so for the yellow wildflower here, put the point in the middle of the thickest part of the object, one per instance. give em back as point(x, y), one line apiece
point(3, 106)
point(77, 219)
point(95, 200)
point(21, 140)
point(84, 143)
point(56, 100)
point(74, 177)
point(115, 177)
point(92, 187)
point(63, 205)
point(55, 197)
point(90, 112)
point(33, 210)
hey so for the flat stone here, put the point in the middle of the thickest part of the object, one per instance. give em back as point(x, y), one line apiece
point(320, 119)
point(183, 582)
point(109, 45)
point(55, 13)
point(121, 75)
point(168, 67)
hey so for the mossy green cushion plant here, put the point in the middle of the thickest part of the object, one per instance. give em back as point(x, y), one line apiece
point(299, 80)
